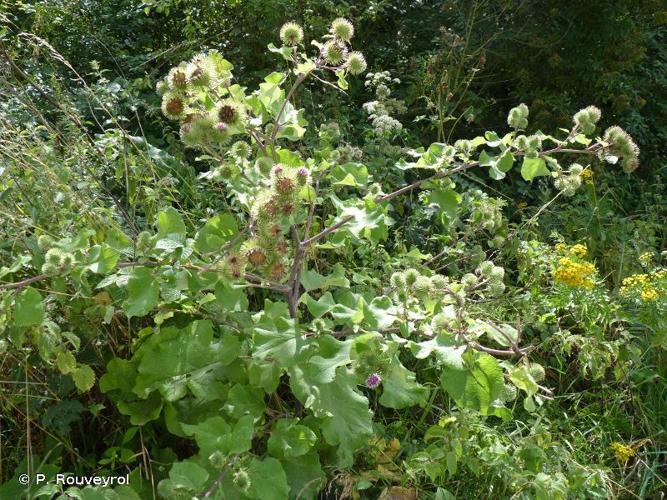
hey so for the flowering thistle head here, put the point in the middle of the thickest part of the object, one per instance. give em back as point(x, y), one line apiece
point(284, 185)
point(240, 150)
point(172, 106)
point(186, 133)
point(274, 231)
point(278, 170)
point(219, 133)
point(197, 129)
point(198, 75)
point(422, 284)
point(518, 117)
point(254, 253)
point(44, 242)
point(234, 259)
point(54, 256)
point(464, 147)
point(521, 142)
point(342, 29)
point(334, 52)
point(586, 119)
point(277, 271)
point(397, 280)
point(287, 208)
point(440, 322)
point(356, 63)
point(177, 78)
point(622, 145)
point(257, 257)
point(411, 276)
point(228, 112)
point(291, 33)
point(235, 265)
point(241, 480)
point(439, 282)
point(302, 176)
point(161, 87)
point(373, 381)
point(265, 209)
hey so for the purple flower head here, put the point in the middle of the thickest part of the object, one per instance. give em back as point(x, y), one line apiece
point(221, 126)
point(302, 172)
point(278, 169)
point(373, 381)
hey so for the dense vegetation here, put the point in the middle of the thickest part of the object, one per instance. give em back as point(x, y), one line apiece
point(313, 249)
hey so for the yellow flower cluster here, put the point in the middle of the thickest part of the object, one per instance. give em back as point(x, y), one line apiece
point(587, 176)
point(646, 258)
point(579, 250)
point(622, 452)
point(573, 273)
point(644, 285)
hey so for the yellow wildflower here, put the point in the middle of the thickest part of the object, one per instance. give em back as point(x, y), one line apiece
point(587, 176)
point(573, 273)
point(645, 286)
point(622, 452)
point(560, 247)
point(648, 294)
point(579, 250)
point(646, 258)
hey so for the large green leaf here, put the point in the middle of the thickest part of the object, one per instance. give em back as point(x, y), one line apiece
point(141, 411)
point(28, 308)
point(245, 399)
point(231, 299)
point(344, 413)
point(498, 165)
point(350, 174)
point(215, 434)
point(168, 359)
point(446, 348)
point(321, 306)
point(399, 388)
point(304, 475)
point(270, 92)
point(118, 381)
point(216, 232)
point(170, 225)
point(275, 336)
point(447, 199)
point(533, 167)
point(183, 476)
point(143, 292)
point(331, 353)
point(84, 377)
point(479, 384)
point(102, 259)
point(312, 280)
point(267, 480)
point(368, 221)
point(289, 439)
